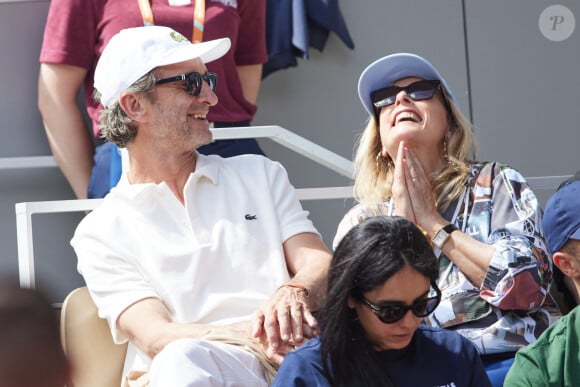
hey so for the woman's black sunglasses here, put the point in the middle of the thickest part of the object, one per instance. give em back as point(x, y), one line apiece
point(193, 81)
point(392, 311)
point(417, 91)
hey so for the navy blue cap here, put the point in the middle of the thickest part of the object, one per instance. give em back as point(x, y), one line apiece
point(389, 69)
point(562, 216)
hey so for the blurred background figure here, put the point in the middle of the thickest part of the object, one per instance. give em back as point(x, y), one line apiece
point(30, 350)
point(75, 35)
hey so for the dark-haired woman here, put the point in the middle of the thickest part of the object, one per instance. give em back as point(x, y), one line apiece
point(381, 285)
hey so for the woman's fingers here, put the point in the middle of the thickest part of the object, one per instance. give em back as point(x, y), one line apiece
point(400, 192)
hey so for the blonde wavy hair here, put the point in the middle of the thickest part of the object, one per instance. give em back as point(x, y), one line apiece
point(373, 176)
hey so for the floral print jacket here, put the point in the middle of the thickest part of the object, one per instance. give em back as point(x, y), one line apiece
point(513, 306)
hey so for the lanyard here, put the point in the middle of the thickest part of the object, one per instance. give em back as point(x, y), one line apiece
point(198, 17)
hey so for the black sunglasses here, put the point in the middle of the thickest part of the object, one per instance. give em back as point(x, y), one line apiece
point(193, 81)
point(417, 91)
point(392, 311)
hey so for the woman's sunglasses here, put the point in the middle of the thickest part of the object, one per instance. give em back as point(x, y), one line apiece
point(417, 91)
point(392, 311)
point(193, 81)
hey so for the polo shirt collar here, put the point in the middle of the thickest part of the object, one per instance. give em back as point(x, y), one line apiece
point(206, 166)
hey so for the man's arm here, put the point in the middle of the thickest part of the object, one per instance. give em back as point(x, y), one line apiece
point(308, 260)
point(525, 372)
point(68, 136)
point(250, 78)
point(159, 330)
point(287, 316)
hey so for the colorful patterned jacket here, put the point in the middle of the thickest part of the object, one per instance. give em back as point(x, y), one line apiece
point(513, 306)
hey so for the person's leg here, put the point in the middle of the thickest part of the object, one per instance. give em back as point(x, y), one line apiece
point(497, 370)
point(192, 363)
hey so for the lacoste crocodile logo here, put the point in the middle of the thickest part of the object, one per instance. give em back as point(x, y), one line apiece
point(251, 217)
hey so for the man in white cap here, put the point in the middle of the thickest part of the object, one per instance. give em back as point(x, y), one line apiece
point(554, 359)
point(209, 267)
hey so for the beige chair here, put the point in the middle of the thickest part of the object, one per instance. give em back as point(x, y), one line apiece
point(96, 360)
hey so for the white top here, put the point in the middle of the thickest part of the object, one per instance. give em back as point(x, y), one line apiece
point(214, 260)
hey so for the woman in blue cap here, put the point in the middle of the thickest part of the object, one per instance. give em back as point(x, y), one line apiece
point(415, 159)
point(381, 284)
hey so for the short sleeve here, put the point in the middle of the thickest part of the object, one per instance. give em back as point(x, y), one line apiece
point(70, 33)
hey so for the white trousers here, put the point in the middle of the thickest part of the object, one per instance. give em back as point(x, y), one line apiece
point(194, 362)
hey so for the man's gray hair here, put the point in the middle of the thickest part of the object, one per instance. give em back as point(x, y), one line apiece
point(114, 124)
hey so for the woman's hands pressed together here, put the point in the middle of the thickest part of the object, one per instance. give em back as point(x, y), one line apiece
point(412, 194)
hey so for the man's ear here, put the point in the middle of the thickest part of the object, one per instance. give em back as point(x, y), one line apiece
point(566, 263)
point(132, 105)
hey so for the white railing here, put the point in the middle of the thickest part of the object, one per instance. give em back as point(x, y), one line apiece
point(25, 210)
point(292, 141)
point(275, 133)
point(27, 162)
point(546, 182)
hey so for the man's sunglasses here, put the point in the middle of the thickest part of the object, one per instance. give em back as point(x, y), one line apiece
point(417, 91)
point(392, 311)
point(193, 81)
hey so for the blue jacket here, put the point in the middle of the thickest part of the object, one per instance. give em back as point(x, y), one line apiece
point(435, 357)
point(292, 26)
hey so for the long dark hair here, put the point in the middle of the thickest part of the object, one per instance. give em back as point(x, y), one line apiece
point(368, 255)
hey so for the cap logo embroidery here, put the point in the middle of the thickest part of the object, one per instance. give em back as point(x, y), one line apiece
point(177, 36)
point(251, 217)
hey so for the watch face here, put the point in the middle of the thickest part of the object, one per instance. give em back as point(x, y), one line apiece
point(440, 238)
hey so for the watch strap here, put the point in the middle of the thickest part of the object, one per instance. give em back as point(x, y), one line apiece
point(450, 228)
point(442, 235)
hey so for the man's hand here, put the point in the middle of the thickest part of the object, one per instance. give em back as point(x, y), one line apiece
point(284, 322)
point(275, 355)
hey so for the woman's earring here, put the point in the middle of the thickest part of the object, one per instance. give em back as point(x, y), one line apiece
point(445, 154)
point(378, 159)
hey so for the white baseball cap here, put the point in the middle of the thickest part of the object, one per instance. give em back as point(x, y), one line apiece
point(133, 52)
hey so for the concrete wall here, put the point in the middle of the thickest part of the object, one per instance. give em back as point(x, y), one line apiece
point(518, 86)
point(21, 29)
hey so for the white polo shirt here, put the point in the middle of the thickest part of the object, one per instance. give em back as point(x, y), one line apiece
point(214, 260)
